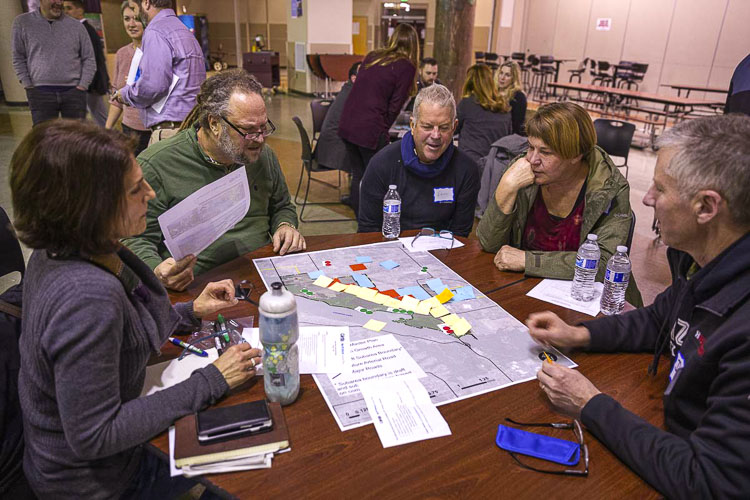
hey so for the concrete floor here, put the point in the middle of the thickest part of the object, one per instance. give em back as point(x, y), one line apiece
point(649, 262)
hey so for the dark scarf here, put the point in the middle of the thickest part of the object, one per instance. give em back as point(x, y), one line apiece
point(425, 170)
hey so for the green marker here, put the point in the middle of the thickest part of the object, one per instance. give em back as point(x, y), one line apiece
point(224, 328)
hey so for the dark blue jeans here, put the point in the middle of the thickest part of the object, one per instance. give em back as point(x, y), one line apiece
point(50, 105)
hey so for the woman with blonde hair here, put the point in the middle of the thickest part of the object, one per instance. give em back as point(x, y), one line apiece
point(483, 113)
point(384, 82)
point(509, 83)
point(549, 199)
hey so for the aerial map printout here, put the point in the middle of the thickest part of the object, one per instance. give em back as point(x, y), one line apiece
point(461, 348)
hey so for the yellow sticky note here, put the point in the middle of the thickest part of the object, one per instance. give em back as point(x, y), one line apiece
point(352, 289)
point(432, 302)
point(439, 311)
point(409, 303)
point(461, 327)
point(367, 294)
point(444, 296)
point(338, 287)
point(323, 281)
point(451, 319)
point(381, 298)
point(374, 325)
point(392, 303)
point(423, 308)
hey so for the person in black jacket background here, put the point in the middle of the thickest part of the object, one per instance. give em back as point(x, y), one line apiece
point(98, 106)
point(702, 322)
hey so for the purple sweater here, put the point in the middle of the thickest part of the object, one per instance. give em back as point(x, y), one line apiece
point(377, 97)
point(84, 347)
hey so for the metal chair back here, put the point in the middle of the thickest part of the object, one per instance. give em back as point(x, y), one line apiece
point(319, 109)
point(615, 137)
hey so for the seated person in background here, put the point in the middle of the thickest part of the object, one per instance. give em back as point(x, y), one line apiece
point(548, 200)
point(225, 131)
point(426, 76)
point(330, 150)
point(701, 322)
point(483, 113)
point(437, 182)
point(509, 83)
point(93, 315)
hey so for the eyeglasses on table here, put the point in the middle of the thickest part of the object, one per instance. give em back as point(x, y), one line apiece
point(430, 232)
point(575, 425)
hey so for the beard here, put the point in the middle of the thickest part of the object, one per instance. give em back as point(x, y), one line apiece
point(230, 149)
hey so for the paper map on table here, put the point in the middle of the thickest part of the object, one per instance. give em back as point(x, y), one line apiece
point(495, 353)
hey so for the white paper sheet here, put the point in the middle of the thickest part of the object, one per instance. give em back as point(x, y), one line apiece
point(375, 358)
point(158, 106)
point(163, 375)
point(425, 243)
point(200, 219)
point(402, 411)
point(134, 63)
point(558, 292)
point(322, 349)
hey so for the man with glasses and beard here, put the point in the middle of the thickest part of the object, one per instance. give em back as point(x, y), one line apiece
point(225, 131)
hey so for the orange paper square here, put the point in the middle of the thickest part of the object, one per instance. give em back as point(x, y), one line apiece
point(358, 267)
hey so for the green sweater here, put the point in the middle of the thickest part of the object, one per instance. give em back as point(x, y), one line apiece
point(177, 167)
point(606, 213)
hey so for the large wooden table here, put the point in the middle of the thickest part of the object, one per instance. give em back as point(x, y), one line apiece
point(327, 463)
point(679, 87)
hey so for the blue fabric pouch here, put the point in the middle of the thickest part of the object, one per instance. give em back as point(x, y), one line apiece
point(537, 445)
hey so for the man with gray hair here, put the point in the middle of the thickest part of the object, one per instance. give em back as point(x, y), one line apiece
point(701, 197)
point(226, 130)
point(438, 184)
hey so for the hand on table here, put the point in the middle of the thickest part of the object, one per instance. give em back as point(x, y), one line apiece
point(286, 239)
point(510, 259)
point(237, 364)
point(547, 329)
point(176, 275)
point(567, 389)
point(215, 297)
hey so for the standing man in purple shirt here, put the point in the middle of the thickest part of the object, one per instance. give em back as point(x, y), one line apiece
point(172, 65)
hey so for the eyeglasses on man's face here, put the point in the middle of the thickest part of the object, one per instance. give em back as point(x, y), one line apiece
point(429, 232)
point(267, 129)
point(575, 425)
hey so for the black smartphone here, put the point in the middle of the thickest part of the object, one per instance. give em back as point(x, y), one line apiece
point(246, 418)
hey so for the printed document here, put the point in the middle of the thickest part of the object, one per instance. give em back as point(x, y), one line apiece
point(402, 411)
point(558, 292)
point(200, 219)
point(425, 243)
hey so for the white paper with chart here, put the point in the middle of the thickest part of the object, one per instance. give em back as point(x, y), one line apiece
point(495, 352)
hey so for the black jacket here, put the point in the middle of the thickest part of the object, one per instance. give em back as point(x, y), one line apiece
point(100, 84)
point(418, 208)
point(738, 97)
point(703, 323)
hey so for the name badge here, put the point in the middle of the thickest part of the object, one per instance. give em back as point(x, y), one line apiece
point(443, 195)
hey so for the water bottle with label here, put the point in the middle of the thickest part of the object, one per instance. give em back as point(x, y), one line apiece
point(279, 331)
point(587, 263)
point(391, 213)
point(616, 282)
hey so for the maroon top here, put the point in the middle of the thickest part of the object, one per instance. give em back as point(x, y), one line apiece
point(375, 101)
point(548, 233)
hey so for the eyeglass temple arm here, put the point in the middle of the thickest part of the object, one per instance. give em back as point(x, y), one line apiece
point(555, 425)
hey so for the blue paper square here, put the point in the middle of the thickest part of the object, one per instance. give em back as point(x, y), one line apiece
point(436, 285)
point(315, 274)
point(363, 259)
point(362, 280)
point(463, 293)
point(389, 264)
point(415, 291)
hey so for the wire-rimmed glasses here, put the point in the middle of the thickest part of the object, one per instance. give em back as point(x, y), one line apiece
point(575, 425)
point(268, 129)
point(428, 231)
point(242, 291)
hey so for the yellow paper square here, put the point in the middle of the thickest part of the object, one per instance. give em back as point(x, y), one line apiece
point(374, 325)
point(409, 303)
point(444, 296)
point(461, 327)
point(323, 281)
point(432, 302)
point(423, 308)
point(381, 298)
point(338, 287)
point(439, 311)
point(392, 303)
point(352, 289)
point(367, 294)
point(451, 319)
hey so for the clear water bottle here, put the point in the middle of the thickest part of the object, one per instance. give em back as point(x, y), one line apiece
point(616, 282)
point(279, 331)
point(391, 213)
point(587, 263)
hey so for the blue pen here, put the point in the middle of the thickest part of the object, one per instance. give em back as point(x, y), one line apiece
point(191, 348)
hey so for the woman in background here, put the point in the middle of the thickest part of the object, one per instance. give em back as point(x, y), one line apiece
point(483, 113)
point(384, 82)
point(131, 118)
point(509, 82)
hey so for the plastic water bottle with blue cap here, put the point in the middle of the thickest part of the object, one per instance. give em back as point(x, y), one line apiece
point(391, 213)
point(587, 263)
point(616, 282)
